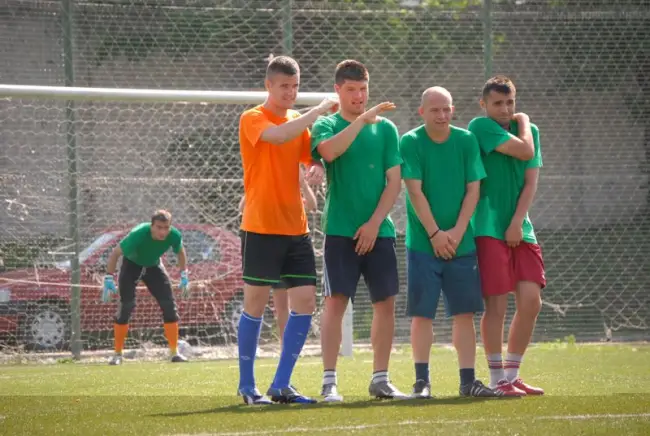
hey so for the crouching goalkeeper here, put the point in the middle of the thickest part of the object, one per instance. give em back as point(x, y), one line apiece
point(142, 249)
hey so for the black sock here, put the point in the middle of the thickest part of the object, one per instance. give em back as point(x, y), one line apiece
point(467, 376)
point(422, 371)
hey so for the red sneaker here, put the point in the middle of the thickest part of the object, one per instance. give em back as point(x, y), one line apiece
point(528, 389)
point(507, 389)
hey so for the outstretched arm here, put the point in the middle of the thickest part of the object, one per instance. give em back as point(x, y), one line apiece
point(333, 147)
point(285, 132)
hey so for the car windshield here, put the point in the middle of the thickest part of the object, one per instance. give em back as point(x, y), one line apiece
point(89, 250)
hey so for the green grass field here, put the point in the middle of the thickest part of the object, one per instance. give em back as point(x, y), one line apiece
point(591, 389)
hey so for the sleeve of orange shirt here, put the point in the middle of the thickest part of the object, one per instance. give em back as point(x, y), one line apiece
point(251, 126)
point(305, 153)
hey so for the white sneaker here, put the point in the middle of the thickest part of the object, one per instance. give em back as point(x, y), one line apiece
point(330, 394)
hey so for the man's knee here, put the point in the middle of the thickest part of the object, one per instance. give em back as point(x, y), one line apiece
point(464, 318)
point(422, 322)
point(463, 324)
point(528, 299)
point(385, 307)
point(169, 311)
point(335, 305)
point(280, 303)
point(303, 299)
point(255, 299)
point(124, 311)
point(496, 306)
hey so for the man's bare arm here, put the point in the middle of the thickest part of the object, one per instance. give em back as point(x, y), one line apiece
point(112, 260)
point(310, 198)
point(468, 206)
point(526, 196)
point(332, 148)
point(523, 146)
point(389, 196)
point(182, 259)
point(285, 132)
point(242, 203)
point(421, 205)
point(335, 146)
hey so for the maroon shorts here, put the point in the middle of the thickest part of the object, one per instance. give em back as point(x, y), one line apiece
point(502, 267)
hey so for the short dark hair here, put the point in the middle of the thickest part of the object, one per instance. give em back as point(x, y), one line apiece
point(282, 65)
point(350, 70)
point(500, 84)
point(161, 215)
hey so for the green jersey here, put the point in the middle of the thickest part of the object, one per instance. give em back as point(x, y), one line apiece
point(505, 179)
point(140, 247)
point(445, 169)
point(357, 178)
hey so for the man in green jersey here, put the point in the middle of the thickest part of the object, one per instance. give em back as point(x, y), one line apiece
point(442, 170)
point(362, 162)
point(141, 251)
point(510, 260)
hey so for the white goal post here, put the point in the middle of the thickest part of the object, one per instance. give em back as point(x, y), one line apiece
point(10, 92)
point(150, 95)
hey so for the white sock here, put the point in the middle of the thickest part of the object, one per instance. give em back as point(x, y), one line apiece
point(511, 365)
point(496, 369)
point(380, 376)
point(329, 377)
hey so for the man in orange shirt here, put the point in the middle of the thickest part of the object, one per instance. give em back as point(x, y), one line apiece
point(274, 140)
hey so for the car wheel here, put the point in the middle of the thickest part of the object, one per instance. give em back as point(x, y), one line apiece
point(46, 327)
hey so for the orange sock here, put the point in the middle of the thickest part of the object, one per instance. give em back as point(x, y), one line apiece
point(120, 331)
point(171, 333)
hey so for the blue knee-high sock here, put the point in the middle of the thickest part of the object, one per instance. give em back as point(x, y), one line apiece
point(295, 335)
point(247, 339)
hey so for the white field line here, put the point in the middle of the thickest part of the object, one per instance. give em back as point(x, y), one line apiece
point(430, 422)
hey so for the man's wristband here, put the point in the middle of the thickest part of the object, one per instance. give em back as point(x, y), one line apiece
point(433, 235)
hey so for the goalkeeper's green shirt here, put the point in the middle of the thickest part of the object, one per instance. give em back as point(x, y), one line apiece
point(505, 179)
point(140, 247)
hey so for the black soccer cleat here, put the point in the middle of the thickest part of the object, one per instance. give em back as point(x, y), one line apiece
point(288, 395)
point(478, 389)
point(421, 390)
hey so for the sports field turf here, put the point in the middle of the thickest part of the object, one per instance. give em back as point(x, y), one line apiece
point(591, 389)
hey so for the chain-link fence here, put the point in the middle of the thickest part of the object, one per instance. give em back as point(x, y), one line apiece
point(582, 70)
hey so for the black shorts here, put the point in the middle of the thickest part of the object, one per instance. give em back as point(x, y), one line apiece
point(344, 267)
point(282, 284)
point(270, 259)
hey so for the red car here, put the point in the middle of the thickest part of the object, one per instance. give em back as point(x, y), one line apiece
point(35, 302)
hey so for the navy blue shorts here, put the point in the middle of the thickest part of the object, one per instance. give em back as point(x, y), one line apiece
point(457, 279)
point(344, 267)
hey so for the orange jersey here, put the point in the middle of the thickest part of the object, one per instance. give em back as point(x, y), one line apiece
point(271, 175)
